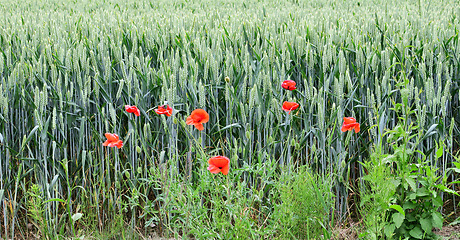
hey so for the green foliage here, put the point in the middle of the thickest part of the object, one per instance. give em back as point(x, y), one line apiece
point(306, 208)
point(36, 210)
point(409, 207)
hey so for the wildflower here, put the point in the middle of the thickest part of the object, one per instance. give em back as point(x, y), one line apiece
point(112, 140)
point(289, 85)
point(197, 118)
point(219, 164)
point(133, 109)
point(349, 123)
point(290, 106)
point(165, 109)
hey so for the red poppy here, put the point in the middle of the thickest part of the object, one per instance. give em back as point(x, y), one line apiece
point(112, 140)
point(290, 106)
point(133, 109)
point(219, 164)
point(197, 118)
point(289, 85)
point(162, 110)
point(349, 123)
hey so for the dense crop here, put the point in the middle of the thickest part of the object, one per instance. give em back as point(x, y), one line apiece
point(68, 68)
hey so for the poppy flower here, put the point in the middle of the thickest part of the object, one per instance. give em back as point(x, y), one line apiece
point(289, 85)
point(165, 109)
point(112, 140)
point(290, 106)
point(349, 123)
point(219, 164)
point(197, 118)
point(133, 109)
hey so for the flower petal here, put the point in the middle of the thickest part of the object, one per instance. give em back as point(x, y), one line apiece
point(214, 169)
point(357, 128)
point(219, 161)
point(289, 85)
point(348, 120)
point(189, 121)
point(111, 137)
point(225, 169)
point(347, 127)
point(169, 111)
point(199, 116)
point(199, 126)
point(290, 106)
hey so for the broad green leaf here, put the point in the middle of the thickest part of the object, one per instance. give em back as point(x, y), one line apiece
point(437, 201)
point(411, 183)
point(398, 219)
point(409, 205)
point(398, 208)
point(437, 220)
point(439, 151)
point(426, 224)
point(76, 216)
point(421, 192)
point(416, 232)
point(389, 230)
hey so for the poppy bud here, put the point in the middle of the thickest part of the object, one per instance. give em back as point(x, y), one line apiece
point(248, 135)
point(175, 120)
point(127, 175)
point(293, 142)
point(227, 79)
point(152, 170)
point(139, 170)
point(138, 149)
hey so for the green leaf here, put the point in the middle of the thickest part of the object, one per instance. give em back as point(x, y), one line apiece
point(411, 183)
point(76, 216)
point(439, 151)
point(398, 219)
point(398, 208)
point(389, 230)
point(409, 205)
point(426, 225)
point(416, 232)
point(55, 200)
point(421, 192)
point(430, 131)
point(446, 189)
point(437, 220)
point(437, 201)
point(25, 140)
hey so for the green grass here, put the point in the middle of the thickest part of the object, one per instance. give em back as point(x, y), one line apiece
point(67, 69)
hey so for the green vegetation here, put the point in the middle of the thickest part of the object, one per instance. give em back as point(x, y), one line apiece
point(68, 68)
